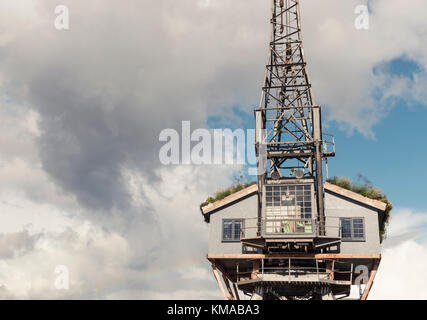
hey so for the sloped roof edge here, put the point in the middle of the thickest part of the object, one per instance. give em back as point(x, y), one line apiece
point(328, 186)
point(355, 196)
point(231, 198)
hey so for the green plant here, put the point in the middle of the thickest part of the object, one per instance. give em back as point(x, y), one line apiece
point(222, 194)
point(367, 190)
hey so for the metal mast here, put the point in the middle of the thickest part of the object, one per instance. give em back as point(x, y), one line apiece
point(287, 112)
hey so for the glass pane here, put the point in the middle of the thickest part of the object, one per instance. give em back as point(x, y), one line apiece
point(346, 228)
point(237, 224)
point(227, 230)
point(358, 230)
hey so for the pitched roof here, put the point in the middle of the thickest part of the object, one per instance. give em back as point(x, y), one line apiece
point(231, 198)
point(328, 186)
point(355, 196)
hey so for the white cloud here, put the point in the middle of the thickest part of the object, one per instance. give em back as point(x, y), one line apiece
point(401, 274)
point(87, 251)
point(404, 259)
point(342, 58)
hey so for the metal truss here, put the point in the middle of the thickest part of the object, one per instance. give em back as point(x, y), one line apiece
point(287, 112)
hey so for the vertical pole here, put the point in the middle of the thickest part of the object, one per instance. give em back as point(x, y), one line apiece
point(333, 269)
point(262, 268)
point(318, 155)
point(329, 268)
point(317, 269)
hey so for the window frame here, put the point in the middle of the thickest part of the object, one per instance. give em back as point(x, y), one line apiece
point(353, 238)
point(302, 194)
point(233, 221)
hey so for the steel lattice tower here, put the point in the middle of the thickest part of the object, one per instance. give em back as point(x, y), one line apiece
point(287, 113)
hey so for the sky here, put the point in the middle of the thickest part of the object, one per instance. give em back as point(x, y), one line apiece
point(81, 184)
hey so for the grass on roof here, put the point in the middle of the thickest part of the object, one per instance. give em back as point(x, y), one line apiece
point(236, 187)
point(367, 190)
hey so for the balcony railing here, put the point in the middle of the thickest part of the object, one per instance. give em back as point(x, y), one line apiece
point(275, 226)
point(328, 144)
point(289, 227)
point(291, 269)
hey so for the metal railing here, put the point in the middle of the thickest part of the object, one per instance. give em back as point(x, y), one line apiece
point(328, 143)
point(336, 270)
point(287, 227)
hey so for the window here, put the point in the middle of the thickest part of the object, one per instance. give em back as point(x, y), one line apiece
point(231, 230)
point(291, 201)
point(353, 229)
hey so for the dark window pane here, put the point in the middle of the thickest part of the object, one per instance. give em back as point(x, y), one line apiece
point(358, 229)
point(227, 230)
point(346, 228)
point(237, 230)
point(288, 203)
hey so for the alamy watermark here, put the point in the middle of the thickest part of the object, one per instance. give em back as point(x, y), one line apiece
point(62, 279)
point(62, 19)
point(362, 20)
point(214, 147)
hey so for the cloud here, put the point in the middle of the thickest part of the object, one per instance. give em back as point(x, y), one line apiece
point(16, 244)
point(342, 58)
point(88, 252)
point(103, 90)
point(404, 258)
point(401, 274)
